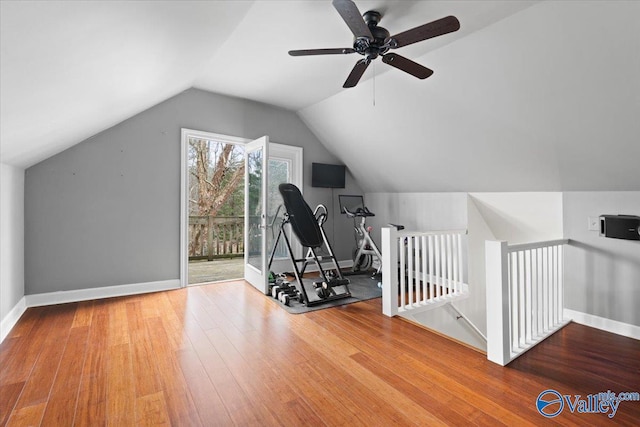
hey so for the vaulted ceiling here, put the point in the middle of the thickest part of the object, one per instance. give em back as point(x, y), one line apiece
point(526, 96)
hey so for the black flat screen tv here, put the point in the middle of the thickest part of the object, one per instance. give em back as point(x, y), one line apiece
point(327, 176)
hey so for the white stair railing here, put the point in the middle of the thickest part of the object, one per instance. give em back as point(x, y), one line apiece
point(524, 296)
point(421, 270)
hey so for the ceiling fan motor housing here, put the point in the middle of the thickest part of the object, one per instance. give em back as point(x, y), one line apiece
point(372, 48)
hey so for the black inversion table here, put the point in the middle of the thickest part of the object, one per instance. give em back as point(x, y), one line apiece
point(307, 226)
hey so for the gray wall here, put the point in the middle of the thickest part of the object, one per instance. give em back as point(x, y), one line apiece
point(107, 211)
point(602, 275)
point(11, 238)
point(417, 211)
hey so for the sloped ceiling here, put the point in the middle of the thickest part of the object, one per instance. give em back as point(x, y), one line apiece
point(547, 99)
point(70, 69)
point(256, 64)
point(526, 96)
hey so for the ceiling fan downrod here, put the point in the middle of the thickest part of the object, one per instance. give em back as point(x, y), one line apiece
point(372, 48)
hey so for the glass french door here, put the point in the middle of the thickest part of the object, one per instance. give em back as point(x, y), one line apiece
point(255, 213)
point(285, 165)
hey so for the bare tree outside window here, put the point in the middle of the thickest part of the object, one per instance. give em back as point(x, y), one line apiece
point(216, 185)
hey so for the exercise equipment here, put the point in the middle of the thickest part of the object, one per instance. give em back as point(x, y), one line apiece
point(307, 227)
point(366, 249)
point(283, 290)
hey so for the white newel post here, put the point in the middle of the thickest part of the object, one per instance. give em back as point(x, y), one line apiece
point(389, 271)
point(498, 321)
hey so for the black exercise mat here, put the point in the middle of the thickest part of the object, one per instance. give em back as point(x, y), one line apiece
point(362, 288)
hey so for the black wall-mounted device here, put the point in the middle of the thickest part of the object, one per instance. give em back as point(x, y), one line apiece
point(620, 226)
point(327, 176)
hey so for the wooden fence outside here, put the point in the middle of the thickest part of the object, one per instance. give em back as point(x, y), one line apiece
point(216, 237)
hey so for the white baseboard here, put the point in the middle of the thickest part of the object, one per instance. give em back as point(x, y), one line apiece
point(613, 326)
point(62, 297)
point(12, 318)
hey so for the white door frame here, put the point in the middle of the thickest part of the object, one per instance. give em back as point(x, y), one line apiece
point(257, 276)
point(280, 151)
point(184, 191)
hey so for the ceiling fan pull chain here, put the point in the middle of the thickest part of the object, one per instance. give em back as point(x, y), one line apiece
point(374, 84)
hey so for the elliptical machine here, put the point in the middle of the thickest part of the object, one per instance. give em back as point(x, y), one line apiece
point(366, 254)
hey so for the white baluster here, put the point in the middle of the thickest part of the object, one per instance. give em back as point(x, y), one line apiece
point(522, 304)
point(437, 264)
point(432, 292)
point(513, 281)
point(449, 265)
point(410, 270)
point(561, 287)
point(534, 293)
point(403, 265)
point(425, 277)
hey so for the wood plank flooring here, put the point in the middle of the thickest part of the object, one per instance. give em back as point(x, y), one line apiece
point(223, 354)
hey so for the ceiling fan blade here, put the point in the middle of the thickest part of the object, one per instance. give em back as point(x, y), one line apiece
point(356, 73)
point(436, 28)
point(305, 52)
point(407, 65)
point(353, 18)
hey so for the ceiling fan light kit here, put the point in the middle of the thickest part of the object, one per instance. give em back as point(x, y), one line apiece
point(372, 41)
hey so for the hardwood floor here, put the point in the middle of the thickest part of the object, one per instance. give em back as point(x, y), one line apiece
point(224, 354)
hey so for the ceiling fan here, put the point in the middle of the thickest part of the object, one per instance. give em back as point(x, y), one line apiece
point(372, 41)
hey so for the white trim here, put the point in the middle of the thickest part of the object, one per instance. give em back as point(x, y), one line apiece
point(408, 233)
point(257, 277)
point(63, 297)
point(218, 137)
point(185, 134)
point(184, 211)
point(602, 323)
point(293, 153)
point(12, 318)
point(537, 245)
